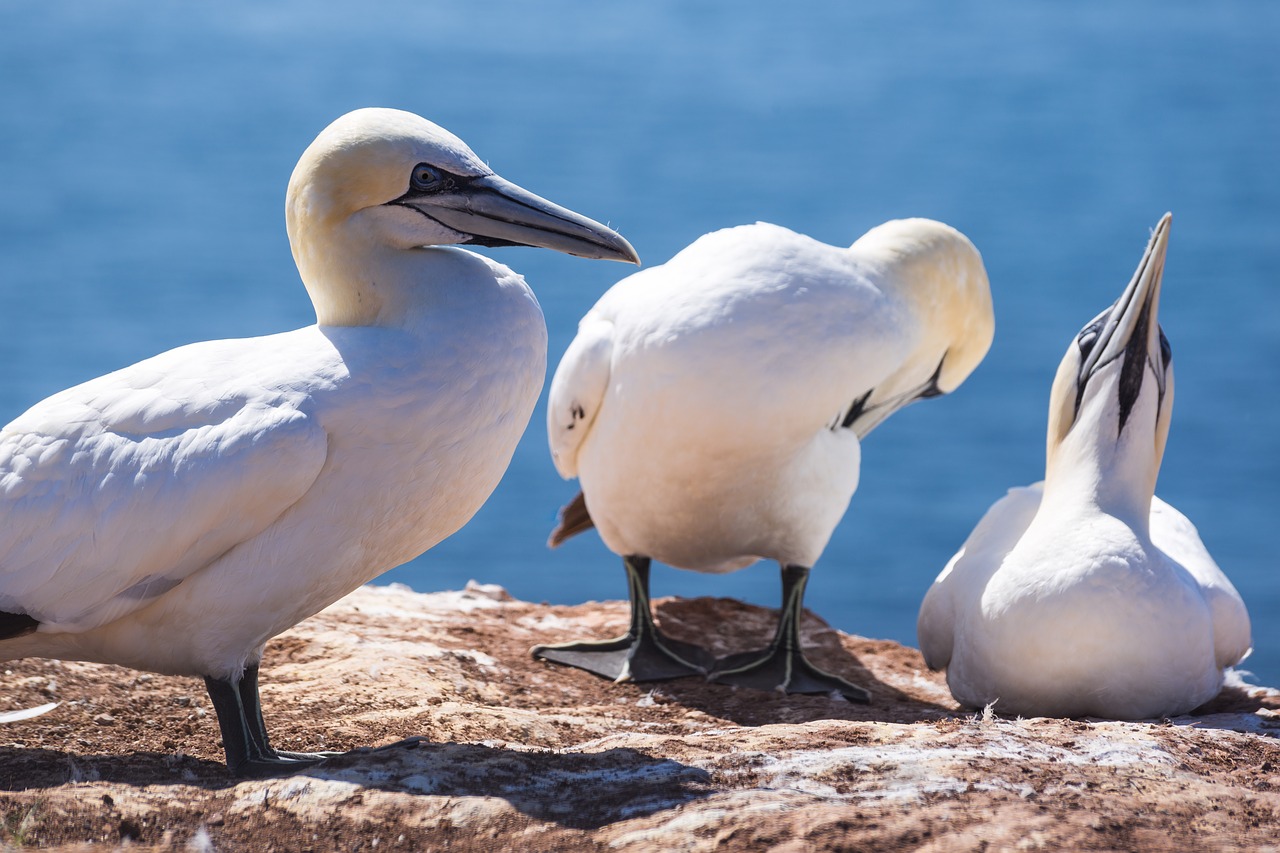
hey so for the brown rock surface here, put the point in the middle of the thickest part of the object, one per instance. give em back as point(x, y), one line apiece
point(519, 755)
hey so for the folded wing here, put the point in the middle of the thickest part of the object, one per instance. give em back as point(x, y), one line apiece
point(115, 491)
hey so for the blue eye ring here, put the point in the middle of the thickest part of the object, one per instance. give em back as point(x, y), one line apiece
point(425, 178)
point(1088, 338)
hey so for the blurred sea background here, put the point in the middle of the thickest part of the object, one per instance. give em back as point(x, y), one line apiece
point(146, 147)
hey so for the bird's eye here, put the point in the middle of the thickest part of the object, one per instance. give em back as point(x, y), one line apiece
point(426, 179)
point(1088, 337)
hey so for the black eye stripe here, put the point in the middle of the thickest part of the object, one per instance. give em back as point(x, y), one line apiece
point(426, 179)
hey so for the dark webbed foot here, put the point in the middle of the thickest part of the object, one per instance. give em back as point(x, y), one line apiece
point(782, 665)
point(267, 767)
point(783, 669)
point(310, 757)
point(649, 656)
point(643, 653)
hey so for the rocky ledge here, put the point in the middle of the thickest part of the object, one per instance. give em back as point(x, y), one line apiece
point(483, 748)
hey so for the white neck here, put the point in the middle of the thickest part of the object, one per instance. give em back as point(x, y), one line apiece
point(358, 274)
point(1112, 469)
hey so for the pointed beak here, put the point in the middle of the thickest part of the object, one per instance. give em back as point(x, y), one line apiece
point(1131, 327)
point(496, 212)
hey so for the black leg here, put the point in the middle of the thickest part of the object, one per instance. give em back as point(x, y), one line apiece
point(252, 704)
point(235, 733)
point(782, 664)
point(244, 734)
point(255, 726)
point(643, 653)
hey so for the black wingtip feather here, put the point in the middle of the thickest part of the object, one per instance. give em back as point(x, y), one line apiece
point(15, 625)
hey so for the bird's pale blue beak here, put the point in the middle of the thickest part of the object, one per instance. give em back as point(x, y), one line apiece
point(495, 212)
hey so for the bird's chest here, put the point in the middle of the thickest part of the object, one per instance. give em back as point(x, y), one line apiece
point(426, 437)
point(718, 506)
point(1093, 575)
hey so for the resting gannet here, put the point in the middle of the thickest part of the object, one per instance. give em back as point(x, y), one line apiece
point(713, 409)
point(175, 515)
point(1086, 595)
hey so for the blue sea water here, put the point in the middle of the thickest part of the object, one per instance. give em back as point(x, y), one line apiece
point(145, 150)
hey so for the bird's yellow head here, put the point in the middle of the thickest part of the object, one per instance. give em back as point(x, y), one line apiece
point(378, 183)
point(939, 277)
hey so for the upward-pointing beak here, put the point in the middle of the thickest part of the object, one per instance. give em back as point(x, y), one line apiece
point(1131, 329)
point(496, 212)
point(1137, 306)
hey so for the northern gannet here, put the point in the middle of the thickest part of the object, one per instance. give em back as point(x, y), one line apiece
point(175, 515)
point(1086, 595)
point(713, 409)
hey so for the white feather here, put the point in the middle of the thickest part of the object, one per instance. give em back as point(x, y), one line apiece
point(174, 515)
point(700, 404)
point(1087, 594)
point(27, 713)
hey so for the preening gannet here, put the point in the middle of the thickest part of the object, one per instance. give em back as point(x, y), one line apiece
point(175, 515)
point(1086, 595)
point(713, 410)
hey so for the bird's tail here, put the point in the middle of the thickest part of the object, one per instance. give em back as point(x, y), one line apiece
point(574, 519)
point(15, 625)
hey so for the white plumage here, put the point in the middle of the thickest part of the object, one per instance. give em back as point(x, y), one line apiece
point(1085, 594)
point(175, 515)
point(713, 407)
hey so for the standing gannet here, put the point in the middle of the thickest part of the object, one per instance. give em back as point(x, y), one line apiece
point(175, 515)
point(1086, 595)
point(713, 410)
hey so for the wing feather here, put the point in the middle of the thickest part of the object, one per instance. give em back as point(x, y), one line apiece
point(578, 391)
point(972, 566)
point(1173, 533)
point(115, 491)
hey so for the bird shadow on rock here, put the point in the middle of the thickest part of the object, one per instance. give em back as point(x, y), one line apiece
point(23, 769)
point(1240, 697)
point(579, 790)
point(725, 626)
point(576, 790)
point(1239, 707)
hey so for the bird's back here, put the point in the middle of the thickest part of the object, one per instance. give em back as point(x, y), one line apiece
point(750, 332)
